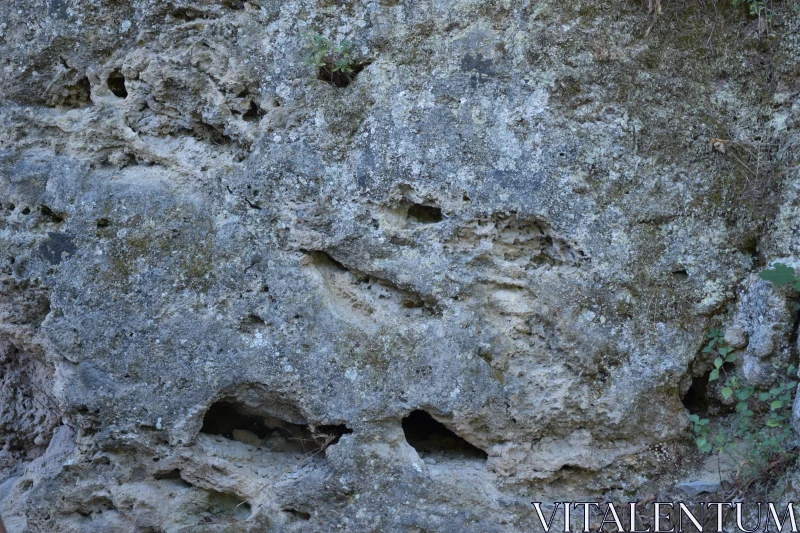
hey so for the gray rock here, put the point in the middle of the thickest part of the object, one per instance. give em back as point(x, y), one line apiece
point(695, 488)
point(510, 218)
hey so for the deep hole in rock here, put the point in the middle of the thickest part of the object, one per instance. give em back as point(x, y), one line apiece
point(338, 78)
point(254, 113)
point(236, 421)
point(225, 417)
point(680, 273)
point(299, 515)
point(696, 398)
point(251, 324)
point(174, 476)
point(52, 215)
point(425, 214)
point(26, 211)
point(187, 14)
point(430, 437)
point(116, 83)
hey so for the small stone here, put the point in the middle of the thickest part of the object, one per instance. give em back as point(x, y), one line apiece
point(430, 461)
point(693, 488)
point(246, 437)
point(736, 337)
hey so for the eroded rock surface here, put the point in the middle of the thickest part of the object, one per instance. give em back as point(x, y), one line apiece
point(226, 282)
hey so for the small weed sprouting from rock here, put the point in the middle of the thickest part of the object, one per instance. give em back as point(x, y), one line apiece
point(333, 61)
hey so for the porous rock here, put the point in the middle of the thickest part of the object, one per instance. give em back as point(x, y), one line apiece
point(511, 219)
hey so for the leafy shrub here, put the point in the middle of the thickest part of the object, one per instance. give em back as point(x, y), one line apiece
point(759, 435)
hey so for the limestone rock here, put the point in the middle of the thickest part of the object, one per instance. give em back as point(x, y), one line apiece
point(507, 216)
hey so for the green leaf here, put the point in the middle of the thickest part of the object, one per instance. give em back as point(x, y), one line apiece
point(764, 396)
point(694, 418)
point(791, 368)
point(704, 422)
point(773, 423)
point(730, 358)
point(777, 404)
point(718, 362)
point(727, 392)
point(744, 394)
point(780, 274)
point(741, 407)
point(706, 447)
point(714, 375)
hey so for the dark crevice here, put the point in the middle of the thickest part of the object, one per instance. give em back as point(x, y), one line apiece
point(237, 421)
point(324, 259)
point(425, 214)
point(52, 215)
point(116, 83)
point(251, 324)
point(430, 437)
point(225, 417)
point(188, 14)
point(206, 132)
point(254, 113)
point(338, 78)
point(680, 273)
point(298, 515)
point(174, 476)
point(253, 205)
point(696, 398)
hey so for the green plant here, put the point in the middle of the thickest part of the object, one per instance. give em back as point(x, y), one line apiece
point(758, 434)
point(780, 275)
point(757, 7)
point(331, 59)
point(716, 340)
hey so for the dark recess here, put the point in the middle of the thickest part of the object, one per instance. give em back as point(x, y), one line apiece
point(425, 214)
point(430, 437)
point(340, 79)
point(298, 515)
point(223, 417)
point(52, 215)
point(116, 82)
point(696, 398)
point(254, 113)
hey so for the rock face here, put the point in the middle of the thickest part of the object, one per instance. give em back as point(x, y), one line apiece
point(474, 272)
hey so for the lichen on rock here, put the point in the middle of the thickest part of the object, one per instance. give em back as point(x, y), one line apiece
point(481, 271)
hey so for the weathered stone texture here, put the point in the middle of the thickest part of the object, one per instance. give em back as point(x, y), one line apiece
point(511, 219)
